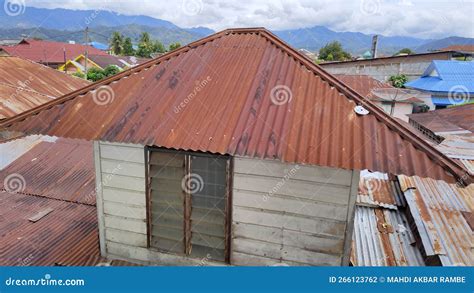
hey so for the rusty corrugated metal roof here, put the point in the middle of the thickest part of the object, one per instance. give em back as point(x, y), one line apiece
point(70, 227)
point(25, 85)
point(459, 119)
point(49, 52)
point(61, 169)
point(382, 237)
point(215, 95)
point(437, 209)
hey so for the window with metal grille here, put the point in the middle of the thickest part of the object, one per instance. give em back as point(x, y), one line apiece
point(188, 203)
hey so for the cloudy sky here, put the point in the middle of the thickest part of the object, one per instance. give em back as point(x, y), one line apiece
point(420, 18)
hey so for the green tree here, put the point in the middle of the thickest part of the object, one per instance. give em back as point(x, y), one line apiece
point(158, 47)
point(174, 46)
point(406, 51)
point(128, 47)
point(95, 74)
point(398, 80)
point(145, 46)
point(333, 52)
point(111, 70)
point(79, 74)
point(116, 43)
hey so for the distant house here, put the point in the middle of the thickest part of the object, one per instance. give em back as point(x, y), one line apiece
point(437, 124)
point(381, 68)
point(98, 45)
point(448, 82)
point(460, 48)
point(233, 150)
point(25, 85)
point(394, 101)
point(79, 63)
point(48, 53)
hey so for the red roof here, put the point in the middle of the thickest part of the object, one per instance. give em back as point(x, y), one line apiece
point(49, 52)
point(241, 92)
point(462, 48)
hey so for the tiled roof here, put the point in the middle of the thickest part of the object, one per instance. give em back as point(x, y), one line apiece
point(241, 92)
point(48, 52)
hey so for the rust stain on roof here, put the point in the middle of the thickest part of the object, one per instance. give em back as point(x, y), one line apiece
point(70, 227)
point(25, 85)
point(215, 95)
point(63, 169)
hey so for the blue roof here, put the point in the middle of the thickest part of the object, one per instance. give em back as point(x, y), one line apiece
point(99, 46)
point(446, 76)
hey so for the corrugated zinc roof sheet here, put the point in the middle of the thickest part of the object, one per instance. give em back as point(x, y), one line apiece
point(63, 169)
point(49, 52)
point(454, 119)
point(382, 237)
point(437, 209)
point(25, 85)
point(240, 92)
point(67, 234)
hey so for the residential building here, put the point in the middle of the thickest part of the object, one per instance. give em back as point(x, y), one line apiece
point(382, 68)
point(235, 149)
point(25, 85)
point(448, 82)
point(79, 63)
point(48, 53)
point(394, 101)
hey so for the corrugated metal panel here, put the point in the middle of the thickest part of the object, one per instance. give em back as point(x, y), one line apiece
point(13, 149)
point(68, 234)
point(378, 192)
point(215, 95)
point(382, 237)
point(437, 209)
point(48, 52)
point(63, 169)
point(25, 85)
point(457, 118)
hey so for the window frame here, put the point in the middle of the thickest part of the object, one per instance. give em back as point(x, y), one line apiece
point(187, 202)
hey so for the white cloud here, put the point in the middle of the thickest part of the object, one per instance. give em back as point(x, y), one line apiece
point(422, 18)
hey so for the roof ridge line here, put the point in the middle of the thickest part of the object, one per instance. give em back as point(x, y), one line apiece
point(93, 86)
point(380, 115)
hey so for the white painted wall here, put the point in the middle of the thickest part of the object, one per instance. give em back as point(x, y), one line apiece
point(300, 219)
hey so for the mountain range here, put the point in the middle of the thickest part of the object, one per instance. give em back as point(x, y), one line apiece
point(67, 25)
